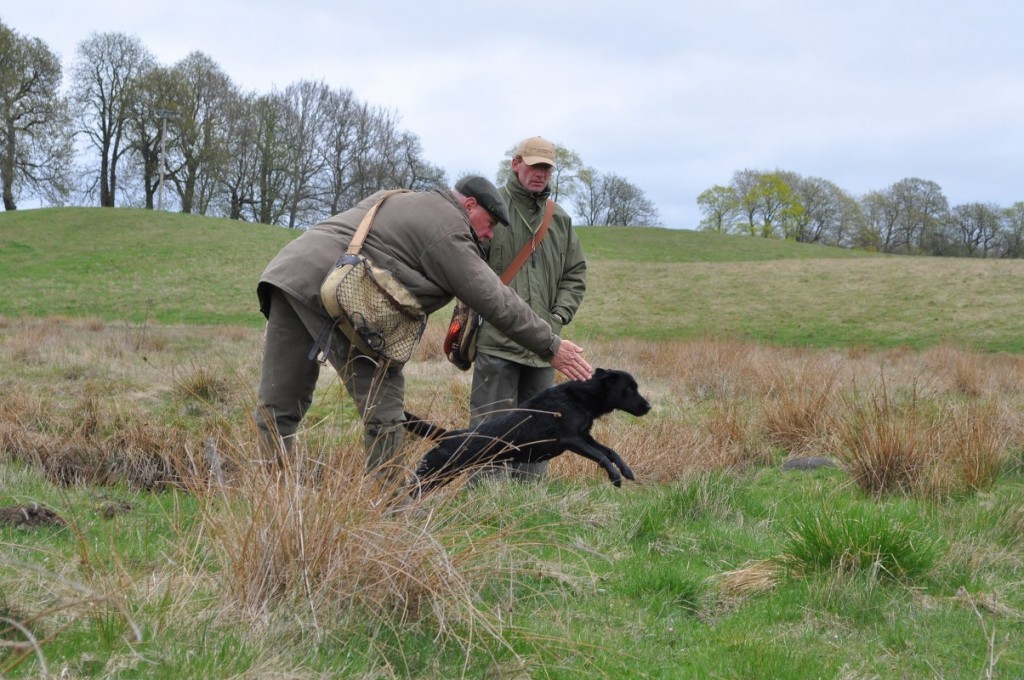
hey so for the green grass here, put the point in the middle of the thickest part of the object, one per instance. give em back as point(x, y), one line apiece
point(134, 265)
point(650, 605)
point(650, 245)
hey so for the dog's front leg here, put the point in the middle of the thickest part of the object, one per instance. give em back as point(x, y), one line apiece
point(611, 454)
point(594, 453)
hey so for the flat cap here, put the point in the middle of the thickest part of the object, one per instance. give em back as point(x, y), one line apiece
point(486, 194)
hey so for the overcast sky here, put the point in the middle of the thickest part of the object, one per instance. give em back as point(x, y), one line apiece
point(673, 96)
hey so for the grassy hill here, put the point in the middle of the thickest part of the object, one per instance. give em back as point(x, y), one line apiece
point(136, 265)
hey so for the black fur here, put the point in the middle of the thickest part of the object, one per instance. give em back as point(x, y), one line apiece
point(542, 427)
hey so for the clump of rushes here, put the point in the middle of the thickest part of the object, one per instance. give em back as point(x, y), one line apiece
point(350, 545)
point(861, 539)
point(917, 448)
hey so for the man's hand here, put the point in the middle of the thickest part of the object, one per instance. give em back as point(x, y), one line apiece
point(569, 361)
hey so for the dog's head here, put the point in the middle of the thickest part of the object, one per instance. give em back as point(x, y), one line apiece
point(621, 391)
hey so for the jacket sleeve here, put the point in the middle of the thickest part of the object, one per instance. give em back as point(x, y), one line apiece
point(455, 264)
point(573, 283)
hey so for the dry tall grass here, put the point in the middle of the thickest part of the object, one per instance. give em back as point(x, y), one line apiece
point(345, 543)
point(77, 408)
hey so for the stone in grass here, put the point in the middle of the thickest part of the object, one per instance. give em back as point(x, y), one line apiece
point(808, 463)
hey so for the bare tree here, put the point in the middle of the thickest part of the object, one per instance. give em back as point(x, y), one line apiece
point(1011, 240)
point(202, 93)
point(395, 156)
point(879, 231)
point(921, 209)
point(36, 140)
point(827, 211)
point(338, 150)
point(238, 178)
point(627, 204)
point(412, 170)
point(590, 202)
point(372, 167)
point(105, 83)
point(975, 228)
point(269, 137)
point(851, 220)
point(611, 200)
point(153, 110)
point(307, 120)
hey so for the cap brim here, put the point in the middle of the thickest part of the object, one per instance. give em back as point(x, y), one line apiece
point(537, 160)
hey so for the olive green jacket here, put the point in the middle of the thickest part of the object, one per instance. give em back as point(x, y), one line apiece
point(426, 241)
point(553, 279)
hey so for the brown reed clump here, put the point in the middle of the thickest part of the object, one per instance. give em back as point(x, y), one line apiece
point(975, 439)
point(885, 446)
point(913, 448)
point(796, 413)
point(342, 544)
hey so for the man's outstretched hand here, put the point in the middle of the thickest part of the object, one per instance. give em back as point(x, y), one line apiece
point(569, 361)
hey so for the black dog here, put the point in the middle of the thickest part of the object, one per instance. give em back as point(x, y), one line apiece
point(542, 427)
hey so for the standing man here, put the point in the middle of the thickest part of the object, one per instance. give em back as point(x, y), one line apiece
point(552, 282)
point(430, 241)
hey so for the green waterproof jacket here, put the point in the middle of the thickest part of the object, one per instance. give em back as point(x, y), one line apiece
point(553, 279)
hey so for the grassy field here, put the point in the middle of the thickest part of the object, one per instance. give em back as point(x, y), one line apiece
point(137, 540)
point(134, 265)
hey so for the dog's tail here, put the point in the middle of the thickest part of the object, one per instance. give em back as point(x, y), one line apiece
point(423, 428)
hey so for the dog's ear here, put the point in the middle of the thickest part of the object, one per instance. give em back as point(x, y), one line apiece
point(599, 373)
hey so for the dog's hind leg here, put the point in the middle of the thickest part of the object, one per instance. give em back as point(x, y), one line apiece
point(422, 428)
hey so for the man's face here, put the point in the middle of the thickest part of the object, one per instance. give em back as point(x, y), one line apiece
point(483, 223)
point(533, 177)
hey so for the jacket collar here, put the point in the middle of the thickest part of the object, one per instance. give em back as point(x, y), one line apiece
point(517, 190)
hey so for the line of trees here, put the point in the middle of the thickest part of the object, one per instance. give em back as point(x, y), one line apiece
point(185, 137)
point(912, 216)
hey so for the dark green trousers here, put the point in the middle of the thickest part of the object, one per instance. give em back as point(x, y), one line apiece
point(289, 379)
point(500, 385)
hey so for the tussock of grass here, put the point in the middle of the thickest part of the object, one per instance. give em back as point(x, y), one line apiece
point(795, 415)
point(909, 446)
point(201, 383)
point(861, 539)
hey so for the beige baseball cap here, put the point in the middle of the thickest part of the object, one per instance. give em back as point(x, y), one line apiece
point(534, 150)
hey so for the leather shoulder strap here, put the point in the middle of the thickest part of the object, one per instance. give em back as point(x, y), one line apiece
point(364, 226)
point(530, 246)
